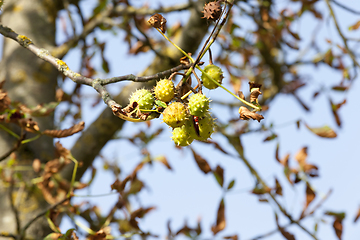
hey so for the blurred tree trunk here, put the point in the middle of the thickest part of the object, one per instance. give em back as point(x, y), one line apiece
point(31, 81)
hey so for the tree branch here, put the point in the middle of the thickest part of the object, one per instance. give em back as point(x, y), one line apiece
point(23, 230)
point(16, 146)
point(100, 18)
point(236, 143)
point(345, 7)
point(97, 84)
point(351, 54)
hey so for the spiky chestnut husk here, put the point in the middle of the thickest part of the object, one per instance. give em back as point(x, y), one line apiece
point(181, 136)
point(198, 104)
point(164, 90)
point(206, 127)
point(175, 115)
point(144, 99)
point(212, 10)
point(215, 72)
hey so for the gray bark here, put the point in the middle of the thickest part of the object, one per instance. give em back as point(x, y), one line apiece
point(31, 81)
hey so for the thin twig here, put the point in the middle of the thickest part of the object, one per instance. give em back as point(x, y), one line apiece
point(42, 214)
point(351, 54)
point(16, 146)
point(63, 49)
point(319, 204)
point(134, 78)
point(66, 5)
point(148, 43)
point(235, 141)
point(7, 235)
point(304, 216)
point(345, 7)
point(98, 19)
point(13, 208)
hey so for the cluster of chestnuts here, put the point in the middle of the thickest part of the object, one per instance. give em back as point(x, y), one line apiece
point(189, 118)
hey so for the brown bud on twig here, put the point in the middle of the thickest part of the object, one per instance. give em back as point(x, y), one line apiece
point(158, 21)
point(212, 10)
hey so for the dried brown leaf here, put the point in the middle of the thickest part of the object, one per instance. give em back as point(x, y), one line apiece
point(135, 187)
point(116, 186)
point(29, 125)
point(278, 188)
point(36, 165)
point(310, 195)
point(270, 137)
point(325, 131)
point(233, 237)
point(164, 161)
point(254, 95)
point(338, 227)
point(282, 230)
point(53, 236)
point(201, 162)
point(259, 190)
point(74, 236)
point(335, 108)
point(66, 132)
point(246, 114)
point(277, 153)
point(340, 88)
point(101, 234)
point(219, 175)
point(184, 230)
point(357, 215)
point(61, 151)
point(140, 213)
point(59, 95)
point(301, 157)
point(220, 220)
point(253, 85)
point(158, 21)
point(4, 101)
point(241, 95)
point(285, 160)
point(138, 167)
point(354, 26)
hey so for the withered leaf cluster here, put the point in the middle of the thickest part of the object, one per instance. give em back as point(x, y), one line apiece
point(52, 186)
point(4, 101)
point(17, 117)
point(292, 173)
point(246, 114)
point(158, 21)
